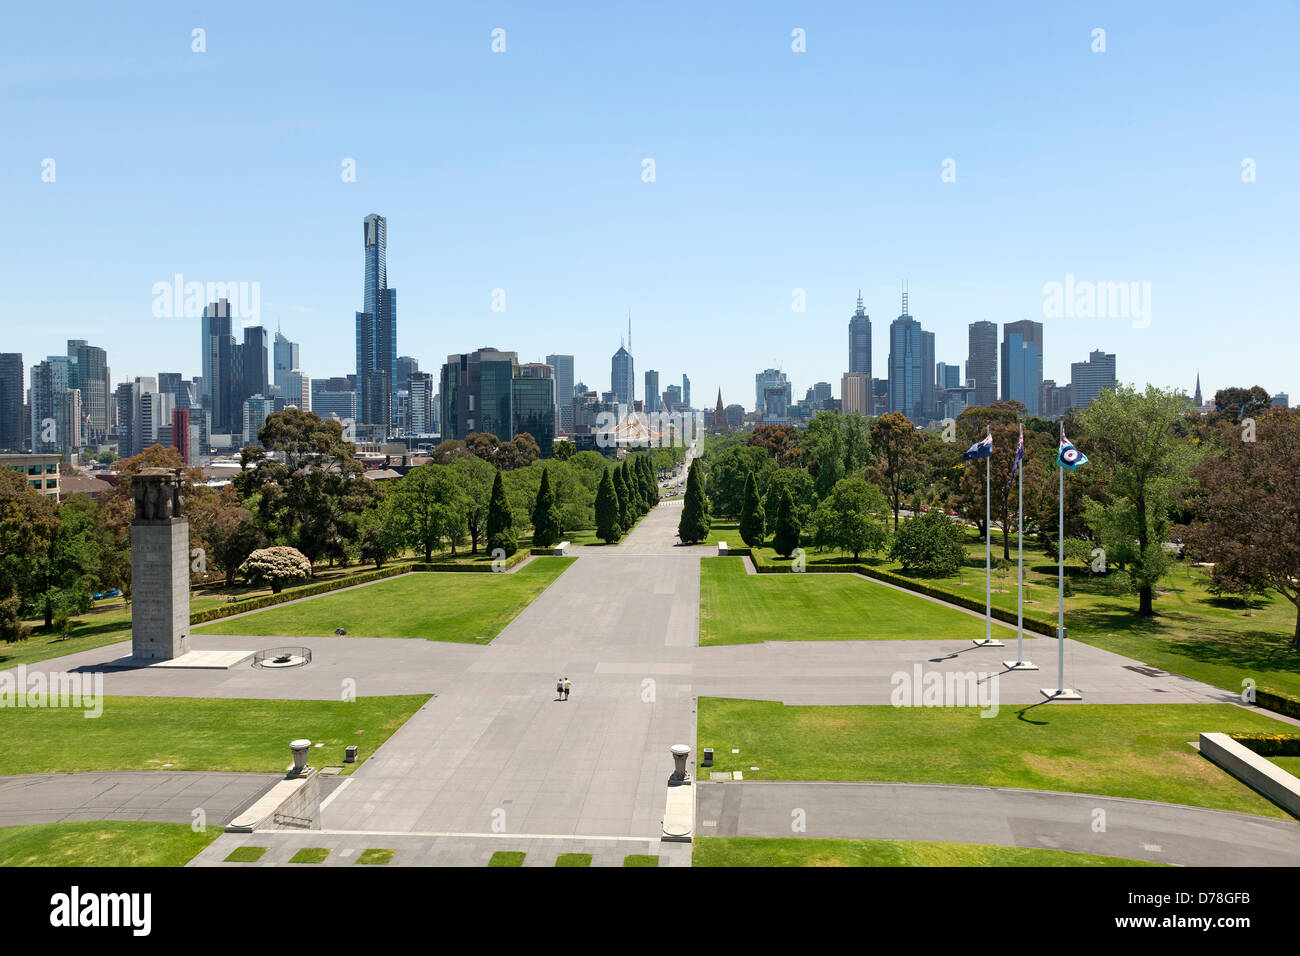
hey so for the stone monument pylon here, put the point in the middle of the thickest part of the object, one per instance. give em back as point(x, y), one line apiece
point(160, 567)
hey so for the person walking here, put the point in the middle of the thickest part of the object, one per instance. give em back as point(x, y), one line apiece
point(567, 685)
point(559, 689)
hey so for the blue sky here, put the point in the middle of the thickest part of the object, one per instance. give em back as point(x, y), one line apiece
point(775, 171)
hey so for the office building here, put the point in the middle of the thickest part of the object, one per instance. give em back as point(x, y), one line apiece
point(1022, 363)
point(653, 400)
point(334, 398)
point(286, 359)
point(257, 408)
point(770, 378)
point(686, 392)
point(1088, 379)
point(982, 362)
point(476, 393)
point(1053, 399)
point(423, 408)
point(41, 472)
point(910, 383)
point(217, 346)
point(563, 367)
point(622, 377)
point(855, 393)
point(860, 341)
point(532, 404)
point(92, 380)
point(296, 390)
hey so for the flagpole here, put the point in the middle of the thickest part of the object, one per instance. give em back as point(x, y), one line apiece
point(1020, 664)
point(1060, 693)
point(988, 551)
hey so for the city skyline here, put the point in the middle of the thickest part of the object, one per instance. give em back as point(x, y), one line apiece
point(749, 205)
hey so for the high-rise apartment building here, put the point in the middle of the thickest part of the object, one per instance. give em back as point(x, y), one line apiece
point(11, 402)
point(423, 411)
point(1022, 363)
point(376, 343)
point(982, 362)
point(1088, 379)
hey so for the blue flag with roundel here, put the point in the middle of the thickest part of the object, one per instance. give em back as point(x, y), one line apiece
point(1070, 457)
point(981, 449)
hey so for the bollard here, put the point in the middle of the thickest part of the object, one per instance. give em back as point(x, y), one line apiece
point(299, 750)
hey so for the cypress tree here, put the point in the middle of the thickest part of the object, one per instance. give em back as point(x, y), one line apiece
point(500, 522)
point(786, 536)
point(651, 482)
point(625, 516)
point(752, 519)
point(607, 526)
point(694, 524)
point(546, 516)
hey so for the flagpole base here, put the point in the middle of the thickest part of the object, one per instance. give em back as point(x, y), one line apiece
point(1019, 666)
point(988, 643)
point(1051, 693)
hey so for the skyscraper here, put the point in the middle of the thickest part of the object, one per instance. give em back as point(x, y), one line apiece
point(11, 402)
point(769, 378)
point(653, 402)
point(982, 362)
point(686, 391)
point(907, 381)
point(563, 366)
point(860, 340)
point(532, 404)
point(92, 380)
point(855, 393)
point(477, 393)
point(217, 350)
point(929, 394)
point(622, 377)
point(286, 359)
point(376, 328)
point(422, 414)
point(1088, 379)
point(1022, 363)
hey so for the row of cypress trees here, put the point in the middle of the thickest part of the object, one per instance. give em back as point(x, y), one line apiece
point(625, 494)
point(754, 524)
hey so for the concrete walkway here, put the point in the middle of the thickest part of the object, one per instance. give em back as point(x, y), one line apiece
point(1134, 829)
point(153, 795)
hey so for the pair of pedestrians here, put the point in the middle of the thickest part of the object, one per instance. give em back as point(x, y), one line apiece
point(562, 687)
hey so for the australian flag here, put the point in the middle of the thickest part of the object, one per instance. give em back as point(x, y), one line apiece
point(1070, 457)
point(1020, 457)
point(981, 449)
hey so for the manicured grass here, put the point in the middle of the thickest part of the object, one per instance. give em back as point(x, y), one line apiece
point(310, 854)
point(375, 857)
point(1194, 633)
point(464, 607)
point(507, 858)
point(797, 851)
point(573, 859)
point(102, 843)
point(1120, 750)
point(741, 608)
point(195, 733)
point(640, 859)
point(1290, 764)
point(246, 854)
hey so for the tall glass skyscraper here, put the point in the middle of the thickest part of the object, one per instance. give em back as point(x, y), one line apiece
point(476, 393)
point(622, 377)
point(982, 362)
point(1022, 363)
point(860, 340)
point(909, 382)
point(286, 360)
point(532, 403)
point(563, 366)
point(376, 329)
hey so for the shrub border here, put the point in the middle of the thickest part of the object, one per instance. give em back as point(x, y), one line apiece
point(1278, 702)
point(1270, 745)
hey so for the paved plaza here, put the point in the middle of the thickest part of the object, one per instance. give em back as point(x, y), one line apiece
point(496, 757)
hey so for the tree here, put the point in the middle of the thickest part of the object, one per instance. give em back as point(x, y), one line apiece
point(752, 519)
point(500, 522)
point(1144, 465)
point(1238, 403)
point(851, 518)
point(893, 438)
point(1248, 509)
point(28, 525)
point(786, 536)
point(379, 543)
point(625, 515)
point(799, 485)
point(276, 567)
point(835, 446)
point(929, 544)
point(426, 505)
point(781, 442)
point(693, 526)
point(563, 450)
point(608, 528)
point(476, 478)
point(311, 490)
point(727, 474)
point(224, 529)
point(1002, 499)
point(546, 516)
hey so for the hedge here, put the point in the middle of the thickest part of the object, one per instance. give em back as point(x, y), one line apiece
point(1270, 745)
point(1037, 625)
point(1278, 702)
point(352, 580)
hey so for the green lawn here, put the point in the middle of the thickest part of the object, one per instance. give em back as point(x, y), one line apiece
point(573, 859)
point(246, 854)
point(797, 851)
point(741, 608)
point(102, 843)
point(195, 733)
point(466, 607)
point(506, 858)
point(641, 859)
point(375, 857)
point(310, 854)
point(1194, 633)
point(1120, 750)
